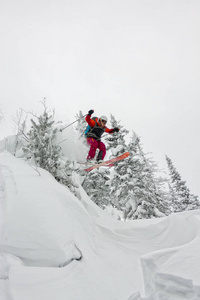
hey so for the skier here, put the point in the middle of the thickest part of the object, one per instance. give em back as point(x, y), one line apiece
point(97, 128)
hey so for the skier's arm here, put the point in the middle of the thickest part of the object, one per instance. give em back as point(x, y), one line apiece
point(90, 121)
point(109, 130)
point(112, 130)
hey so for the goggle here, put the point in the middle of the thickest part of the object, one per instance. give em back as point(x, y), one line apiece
point(104, 121)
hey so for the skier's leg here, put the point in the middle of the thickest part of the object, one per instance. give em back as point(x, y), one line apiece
point(102, 151)
point(93, 147)
point(99, 156)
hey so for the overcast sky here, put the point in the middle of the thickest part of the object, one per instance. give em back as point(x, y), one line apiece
point(139, 60)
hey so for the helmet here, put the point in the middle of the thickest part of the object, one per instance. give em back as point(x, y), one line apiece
point(103, 118)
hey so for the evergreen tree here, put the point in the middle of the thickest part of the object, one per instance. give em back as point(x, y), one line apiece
point(42, 148)
point(182, 199)
point(65, 174)
point(116, 142)
point(40, 145)
point(96, 185)
point(154, 183)
point(133, 187)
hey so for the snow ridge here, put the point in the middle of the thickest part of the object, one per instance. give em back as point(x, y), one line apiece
point(57, 246)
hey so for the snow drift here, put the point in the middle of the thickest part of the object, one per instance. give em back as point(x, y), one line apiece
point(56, 246)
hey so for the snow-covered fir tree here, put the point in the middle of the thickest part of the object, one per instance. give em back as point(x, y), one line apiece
point(116, 142)
point(42, 148)
point(40, 145)
point(117, 145)
point(182, 198)
point(97, 186)
point(153, 183)
point(65, 174)
point(133, 187)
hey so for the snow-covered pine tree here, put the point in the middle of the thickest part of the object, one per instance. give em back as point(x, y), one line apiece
point(40, 145)
point(65, 174)
point(97, 186)
point(155, 184)
point(133, 185)
point(116, 142)
point(183, 200)
point(116, 145)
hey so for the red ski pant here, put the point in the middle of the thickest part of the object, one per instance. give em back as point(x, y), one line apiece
point(94, 145)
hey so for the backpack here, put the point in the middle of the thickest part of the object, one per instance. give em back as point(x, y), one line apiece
point(88, 128)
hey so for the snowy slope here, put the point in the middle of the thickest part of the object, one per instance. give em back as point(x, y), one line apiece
point(55, 246)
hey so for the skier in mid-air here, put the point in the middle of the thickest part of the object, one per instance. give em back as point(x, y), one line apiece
point(97, 126)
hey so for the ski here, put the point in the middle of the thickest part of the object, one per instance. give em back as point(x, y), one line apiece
point(108, 162)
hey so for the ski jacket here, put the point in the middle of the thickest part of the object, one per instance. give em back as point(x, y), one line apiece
point(96, 130)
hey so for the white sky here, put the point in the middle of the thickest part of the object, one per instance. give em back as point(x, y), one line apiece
point(138, 60)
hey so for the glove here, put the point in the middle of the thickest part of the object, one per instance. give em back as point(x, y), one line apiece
point(90, 112)
point(116, 129)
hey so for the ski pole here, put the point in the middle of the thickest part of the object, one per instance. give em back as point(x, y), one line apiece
point(72, 123)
